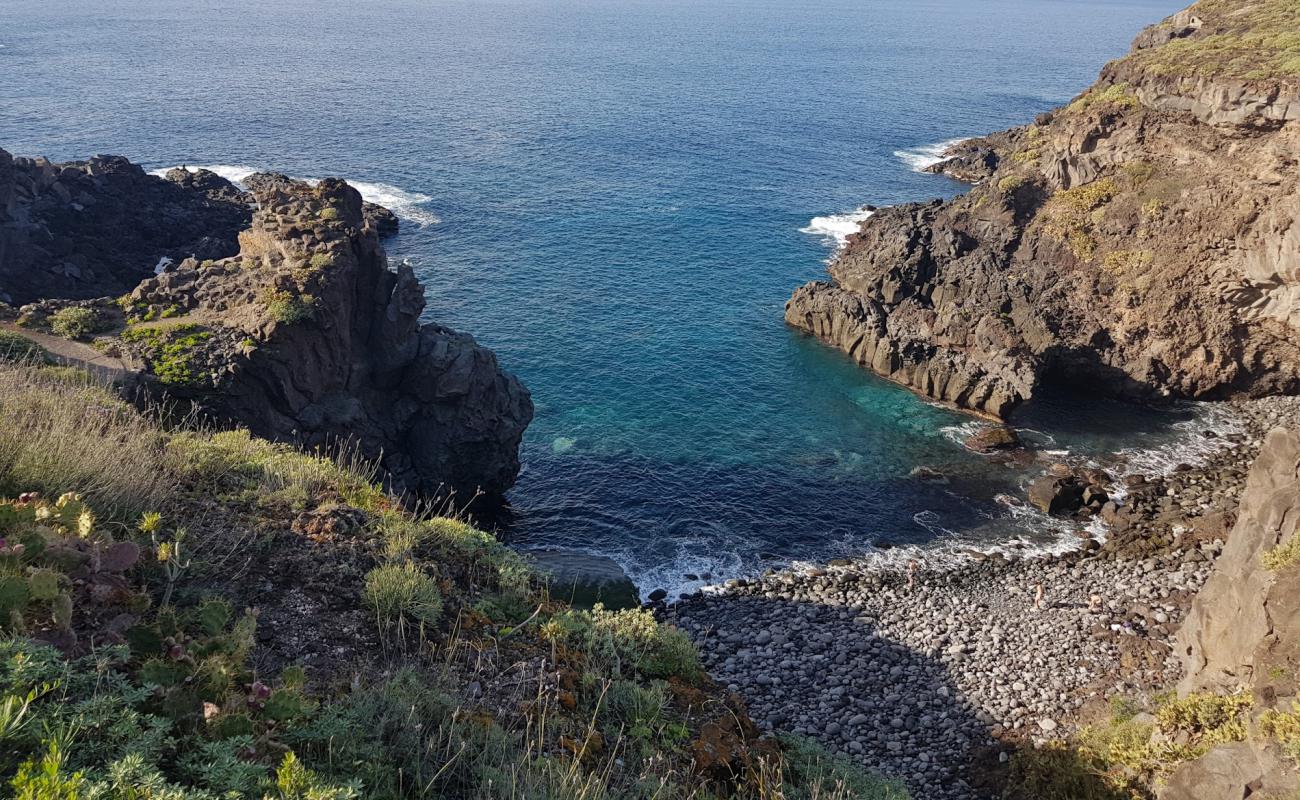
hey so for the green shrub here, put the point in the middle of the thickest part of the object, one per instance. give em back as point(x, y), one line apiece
point(638, 709)
point(1072, 214)
point(171, 351)
point(1282, 556)
point(1114, 97)
point(74, 322)
point(235, 462)
point(1010, 184)
point(289, 308)
point(405, 738)
point(808, 772)
point(626, 641)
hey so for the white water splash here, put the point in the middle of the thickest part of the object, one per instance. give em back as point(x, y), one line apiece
point(407, 205)
point(926, 155)
point(835, 229)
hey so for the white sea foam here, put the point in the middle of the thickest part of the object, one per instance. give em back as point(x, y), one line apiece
point(959, 433)
point(926, 155)
point(407, 205)
point(234, 173)
point(835, 229)
point(1191, 446)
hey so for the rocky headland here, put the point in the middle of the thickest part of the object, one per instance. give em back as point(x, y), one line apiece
point(1141, 241)
point(273, 308)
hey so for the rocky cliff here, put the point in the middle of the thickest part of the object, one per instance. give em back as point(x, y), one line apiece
point(277, 310)
point(1243, 634)
point(1142, 241)
point(92, 228)
point(307, 335)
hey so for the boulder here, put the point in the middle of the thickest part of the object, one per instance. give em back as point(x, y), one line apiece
point(1057, 496)
point(993, 437)
point(1231, 772)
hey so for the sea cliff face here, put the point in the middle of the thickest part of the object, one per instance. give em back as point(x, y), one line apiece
point(276, 310)
point(1143, 241)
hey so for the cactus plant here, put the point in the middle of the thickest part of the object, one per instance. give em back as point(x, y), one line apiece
point(43, 585)
point(13, 594)
point(62, 611)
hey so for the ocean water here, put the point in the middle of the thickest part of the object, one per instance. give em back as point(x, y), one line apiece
point(618, 196)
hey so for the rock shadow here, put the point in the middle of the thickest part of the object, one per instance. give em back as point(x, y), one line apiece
point(826, 671)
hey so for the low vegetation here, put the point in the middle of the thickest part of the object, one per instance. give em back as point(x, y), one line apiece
point(1259, 41)
point(142, 657)
point(16, 348)
point(74, 322)
point(1282, 556)
point(289, 307)
point(1126, 756)
point(170, 351)
point(1116, 97)
point(1073, 215)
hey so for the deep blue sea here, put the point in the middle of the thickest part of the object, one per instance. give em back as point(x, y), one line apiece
point(618, 196)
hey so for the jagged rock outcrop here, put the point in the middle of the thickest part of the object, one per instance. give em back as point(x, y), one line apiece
point(1245, 623)
point(92, 228)
point(306, 335)
point(1143, 241)
point(1243, 633)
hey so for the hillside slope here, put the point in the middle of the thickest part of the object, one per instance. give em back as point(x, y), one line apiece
point(200, 615)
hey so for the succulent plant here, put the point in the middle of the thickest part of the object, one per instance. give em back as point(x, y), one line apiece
point(43, 584)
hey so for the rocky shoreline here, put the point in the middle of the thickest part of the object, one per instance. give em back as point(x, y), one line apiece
point(937, 676)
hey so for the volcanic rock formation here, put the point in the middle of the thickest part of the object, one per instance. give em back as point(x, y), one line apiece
point(307, 335)
point(1243, 633)
point(1142, 242)
point(92, 228)
point(276, 310)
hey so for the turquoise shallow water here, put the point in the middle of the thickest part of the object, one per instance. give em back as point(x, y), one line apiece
point(611, 194)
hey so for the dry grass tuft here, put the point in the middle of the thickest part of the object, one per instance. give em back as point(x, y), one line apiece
point(58, 435)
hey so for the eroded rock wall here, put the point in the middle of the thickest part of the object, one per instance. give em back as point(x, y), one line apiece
point(1143, 241)
point(1244, 626)
point(318, 342)
point(1243, 633)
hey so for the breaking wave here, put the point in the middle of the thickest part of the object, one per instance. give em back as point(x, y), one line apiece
point(407, 205)
point(926, 155)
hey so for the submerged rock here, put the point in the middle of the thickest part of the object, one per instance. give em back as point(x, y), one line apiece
point(995, 437)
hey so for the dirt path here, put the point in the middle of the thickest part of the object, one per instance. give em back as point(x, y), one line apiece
point(76, 354)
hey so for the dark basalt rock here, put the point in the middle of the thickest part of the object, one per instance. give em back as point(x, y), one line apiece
point(384, 222)
point(323, 345)
point(92, 228)
point(992, 438)
point(280, 310)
